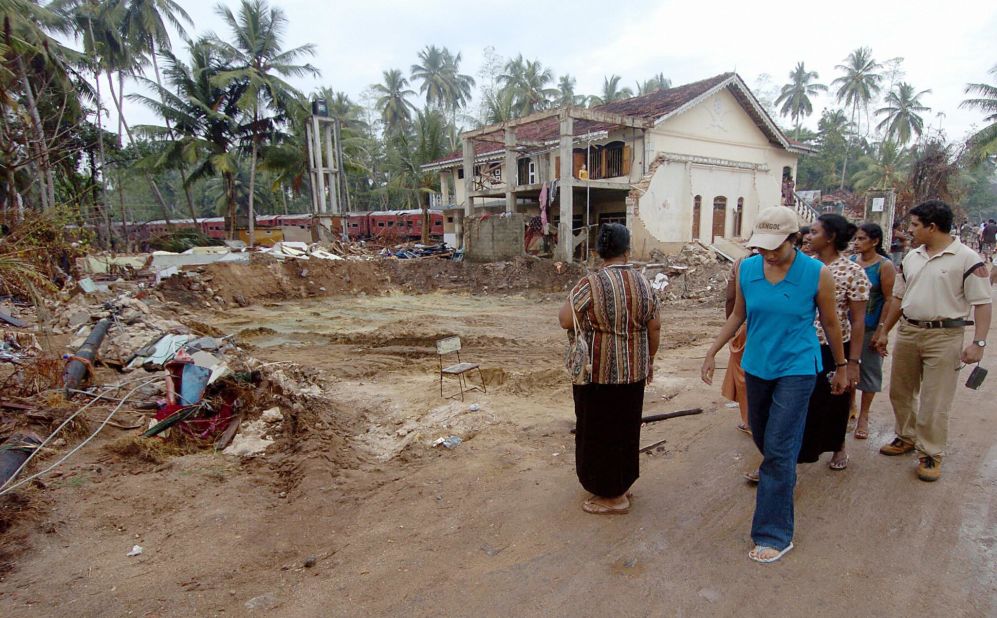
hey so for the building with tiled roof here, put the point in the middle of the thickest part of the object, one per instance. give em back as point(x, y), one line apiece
point(693, 162)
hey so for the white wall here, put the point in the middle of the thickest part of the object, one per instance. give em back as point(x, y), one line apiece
point(717, 128)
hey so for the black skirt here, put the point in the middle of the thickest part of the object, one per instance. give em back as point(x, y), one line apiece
point(607, 436)
point(827, 415)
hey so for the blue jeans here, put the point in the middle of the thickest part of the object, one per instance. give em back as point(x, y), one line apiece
point(777, 413)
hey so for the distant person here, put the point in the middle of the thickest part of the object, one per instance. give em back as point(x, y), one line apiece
point(802, 243)
point(897, 246)
point(942, 281)
point(827, 415)
point(618, 314)
point(733, 387)
point(879, 269)
point(777, 294)
point(988, 237)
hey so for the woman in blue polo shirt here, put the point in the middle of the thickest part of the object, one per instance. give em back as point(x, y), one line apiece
point(778, 293)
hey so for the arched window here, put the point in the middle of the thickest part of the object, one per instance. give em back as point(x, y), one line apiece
point(738, 217)
point(697, 206)
point(719, 216)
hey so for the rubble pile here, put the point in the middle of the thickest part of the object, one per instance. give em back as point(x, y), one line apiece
point(696, 273)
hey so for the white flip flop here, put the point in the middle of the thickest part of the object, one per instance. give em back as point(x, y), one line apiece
point(753, 554)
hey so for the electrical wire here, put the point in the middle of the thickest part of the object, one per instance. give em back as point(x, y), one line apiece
point(7, 487)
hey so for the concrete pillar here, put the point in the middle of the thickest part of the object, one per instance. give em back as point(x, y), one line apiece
point(445, 188)
point(565, 240)
point(333, 170)
point(510, 172)
point(319, 165)
point(729, 217)
point(468, 186)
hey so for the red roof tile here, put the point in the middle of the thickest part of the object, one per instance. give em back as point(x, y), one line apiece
point(649, 106)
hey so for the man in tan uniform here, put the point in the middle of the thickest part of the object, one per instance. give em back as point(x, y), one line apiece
point(942, 281)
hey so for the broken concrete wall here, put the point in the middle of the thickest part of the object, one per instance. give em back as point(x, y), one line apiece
point(494, 238)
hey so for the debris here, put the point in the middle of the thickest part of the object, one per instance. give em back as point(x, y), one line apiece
point(136, 551)
point(87, 285)
point(156, 355)
point(473, 407)
point(660, 282)
point(661, 417)
point(264, 601)
point(272, 415)
point(310, 561)
point(652, 446)
point(252, 440)
point(448, 442)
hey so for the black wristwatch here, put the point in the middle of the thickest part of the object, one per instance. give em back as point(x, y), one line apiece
point(980, 342)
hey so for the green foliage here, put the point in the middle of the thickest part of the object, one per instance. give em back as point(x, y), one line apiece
point(983, 144)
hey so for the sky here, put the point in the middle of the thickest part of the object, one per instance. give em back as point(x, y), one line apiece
point(944, 46)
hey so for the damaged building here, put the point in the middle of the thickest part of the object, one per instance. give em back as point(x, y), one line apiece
point(695, 162)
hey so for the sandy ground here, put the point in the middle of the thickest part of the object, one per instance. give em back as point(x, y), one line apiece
point(494, 527)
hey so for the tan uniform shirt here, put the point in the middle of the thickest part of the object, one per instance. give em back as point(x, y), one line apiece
point(943, 286)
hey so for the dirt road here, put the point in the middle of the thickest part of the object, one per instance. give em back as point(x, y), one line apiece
point(494, 527)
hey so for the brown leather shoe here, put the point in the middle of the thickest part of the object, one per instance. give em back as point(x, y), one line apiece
point(929, 469)
point(897, 447)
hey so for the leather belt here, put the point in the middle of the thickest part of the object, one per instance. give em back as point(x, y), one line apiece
point(939, 323)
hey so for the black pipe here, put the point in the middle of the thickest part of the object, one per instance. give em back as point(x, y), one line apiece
point(76, 370)
point(14, 452)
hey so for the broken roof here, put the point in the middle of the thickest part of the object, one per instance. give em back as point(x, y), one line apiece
point(658, 106)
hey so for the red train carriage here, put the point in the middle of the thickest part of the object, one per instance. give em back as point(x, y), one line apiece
point(402, 225)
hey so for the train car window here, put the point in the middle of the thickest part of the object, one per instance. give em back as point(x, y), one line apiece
point(391, 224)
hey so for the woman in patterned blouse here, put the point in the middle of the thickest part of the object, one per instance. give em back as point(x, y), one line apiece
point(618, 315)
point(827, 416)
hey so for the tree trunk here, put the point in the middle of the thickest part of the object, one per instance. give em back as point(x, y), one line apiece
point(101, 201)
point(230, 196)
point(169, 128)
point(252, 189)
point(252, 179)
point(41, 146)
point(152, 183)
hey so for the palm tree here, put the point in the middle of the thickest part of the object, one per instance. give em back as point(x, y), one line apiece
point(658, 82)
point(902, 113)
point(24, 42)
point(566, 92)
point(886, 168)
point(856, 88)
point(392, 102)
point(611, 91)
point(261, 63)
point(860, 82)
point(203, 116)
point(528, 81)
point(432, 73)
point(460, 83)
point(144, 26)
point(983, 143)
point(795, 96)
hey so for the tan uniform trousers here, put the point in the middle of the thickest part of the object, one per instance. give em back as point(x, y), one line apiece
point(925, 362)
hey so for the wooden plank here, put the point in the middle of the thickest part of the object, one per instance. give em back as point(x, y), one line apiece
point(636, 122)
point(6, 317)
